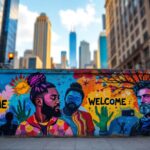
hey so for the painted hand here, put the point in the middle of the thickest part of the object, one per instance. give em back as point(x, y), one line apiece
point(20, 112)
point(103, 118)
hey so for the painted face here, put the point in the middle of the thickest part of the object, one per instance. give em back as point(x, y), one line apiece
point(51, 103)
point(73, 100)
point(143, 96)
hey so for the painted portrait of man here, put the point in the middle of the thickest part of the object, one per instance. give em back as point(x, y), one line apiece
point(142, 91)
point(80, 121)
point(45, 121)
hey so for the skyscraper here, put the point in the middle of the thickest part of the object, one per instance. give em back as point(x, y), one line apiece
point(16, 60)
point(128, 33)
point(42, 40)
point(84, 54)
point(104, 21)
point(63, 59)
point(8, 28)
point(34, 62)
point(72, 50)
point(96, 59)
point(1, 14)
point(102, 42)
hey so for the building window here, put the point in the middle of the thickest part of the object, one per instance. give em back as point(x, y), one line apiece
point(132, 37)
point(130, 18)
point(144, 23)
point(136, 21)
point(126, 33)
point(114, 62)
point(128, 53)
point(141, 3)
point(145, 36)
point(137, 32)
point(131, 27)
point(138, 43)
point(133, 48)
point(146, 52)
point(142, 12)
point(127, 43)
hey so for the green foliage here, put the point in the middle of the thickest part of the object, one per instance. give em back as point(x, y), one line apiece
point(20, 112)
point(103, 118)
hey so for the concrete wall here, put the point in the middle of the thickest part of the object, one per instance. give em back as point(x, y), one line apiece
point(74, 103)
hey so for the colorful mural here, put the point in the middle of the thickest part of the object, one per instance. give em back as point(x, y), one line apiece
point(74, 103)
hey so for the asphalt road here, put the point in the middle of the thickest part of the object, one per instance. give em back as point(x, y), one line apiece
point(136, 143)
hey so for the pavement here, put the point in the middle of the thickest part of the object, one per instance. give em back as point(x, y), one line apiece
point(133, 143)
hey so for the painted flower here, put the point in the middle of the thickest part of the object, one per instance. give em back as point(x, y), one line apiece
point(20, 85)
point(7, 93)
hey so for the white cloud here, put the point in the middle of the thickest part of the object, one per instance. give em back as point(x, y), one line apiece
point(25, 29)
point(25, 33)
point(55, 37)
point(56, 52)
point(81, 17)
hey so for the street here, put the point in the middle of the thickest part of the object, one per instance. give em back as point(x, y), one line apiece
point(132, 143)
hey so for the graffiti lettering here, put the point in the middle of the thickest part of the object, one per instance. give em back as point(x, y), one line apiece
point(3, 104)
point(107, 101)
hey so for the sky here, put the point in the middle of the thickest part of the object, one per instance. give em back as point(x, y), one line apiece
point(83, 16)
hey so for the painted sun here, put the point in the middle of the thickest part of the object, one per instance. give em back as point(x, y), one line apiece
point(20, 85)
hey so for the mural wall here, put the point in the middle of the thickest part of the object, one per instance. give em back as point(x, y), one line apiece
point(74, 103)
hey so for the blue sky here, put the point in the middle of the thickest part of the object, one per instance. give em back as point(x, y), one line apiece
point(84, 16)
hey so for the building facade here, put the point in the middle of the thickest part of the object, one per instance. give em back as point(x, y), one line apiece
point(42, 40)
point(84, 54)
point(103, 51)
point(34, 62)
point(1, 15)
point(8, 28)
point(96, 62)
point(72, 50)
point(128, 33)
point(16, 61)
point(104, 21)
point(63, 59)
point(24, 61)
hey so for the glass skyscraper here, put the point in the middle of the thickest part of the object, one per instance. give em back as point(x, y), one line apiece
point(9, 29)
point(103, 51)
point(72, 50)
point(1, 14)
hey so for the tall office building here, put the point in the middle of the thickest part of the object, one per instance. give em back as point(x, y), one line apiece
point(34, 62)
point(63, 59)
point(8, 27)
point(21, 63)
point(128, 33)
point(102, 44)
point(104, 21)
point(72, 50)
point(96, 62)
point(42, 40)
point(84, 54)
point(16, 61)
point(1, 14)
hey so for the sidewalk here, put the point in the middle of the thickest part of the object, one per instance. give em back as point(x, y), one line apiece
point(136, 143)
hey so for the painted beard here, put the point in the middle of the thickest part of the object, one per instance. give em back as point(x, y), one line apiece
point(72, 107)
point(50, 112)
point(145, 109)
